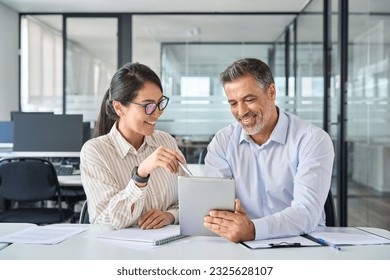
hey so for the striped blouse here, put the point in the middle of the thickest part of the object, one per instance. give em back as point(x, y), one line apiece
point(106, 163)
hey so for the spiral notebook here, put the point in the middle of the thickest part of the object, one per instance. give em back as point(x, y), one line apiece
point(154, 236)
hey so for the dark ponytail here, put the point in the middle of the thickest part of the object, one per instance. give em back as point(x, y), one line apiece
point(104, 121)
point(124, 87)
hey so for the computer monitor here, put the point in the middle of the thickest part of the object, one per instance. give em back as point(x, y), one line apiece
point(6, 132)
point(48, 132)
point(14, 113)
point(86, 131)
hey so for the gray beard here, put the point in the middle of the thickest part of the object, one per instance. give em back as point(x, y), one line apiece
point(257, 129)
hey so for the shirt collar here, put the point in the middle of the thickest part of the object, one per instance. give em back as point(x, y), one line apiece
point(123, 147)
point(150, 140)
point(279, 134)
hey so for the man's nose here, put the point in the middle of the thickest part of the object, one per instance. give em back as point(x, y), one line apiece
point(242, 109)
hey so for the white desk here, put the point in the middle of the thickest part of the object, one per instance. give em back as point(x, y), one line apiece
point(40, 154)
point(75, 180)
point(86, 246)
point(6, 147)
point(70, 181)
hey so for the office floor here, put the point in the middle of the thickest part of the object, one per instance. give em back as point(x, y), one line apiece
point(368, 207)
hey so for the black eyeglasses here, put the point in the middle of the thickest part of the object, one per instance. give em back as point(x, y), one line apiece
point(152, 106)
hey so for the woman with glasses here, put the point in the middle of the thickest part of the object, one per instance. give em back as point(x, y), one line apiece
point(129, 170)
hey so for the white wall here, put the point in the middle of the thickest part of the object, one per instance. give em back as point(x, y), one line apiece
point(9, 62)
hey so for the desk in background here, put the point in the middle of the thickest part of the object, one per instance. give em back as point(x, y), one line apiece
point(6, 148)
point(75, 180)
point(86, 246)
point(41, 154)
point(71, 186)
point(193, 151)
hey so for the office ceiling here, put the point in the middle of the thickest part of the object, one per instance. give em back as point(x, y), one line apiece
point(135, 6)
point(156, 6)
point(199, 28)
point(167, 28)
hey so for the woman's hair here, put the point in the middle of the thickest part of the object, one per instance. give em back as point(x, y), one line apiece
point(124, 88)
point(248, 66)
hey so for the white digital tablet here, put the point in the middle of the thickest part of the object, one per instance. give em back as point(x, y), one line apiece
point(199, 195)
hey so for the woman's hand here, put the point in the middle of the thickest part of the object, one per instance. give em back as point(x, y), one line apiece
point(155, 218)
point(161, 157)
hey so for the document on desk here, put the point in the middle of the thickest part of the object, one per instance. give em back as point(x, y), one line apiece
point(286, 242)
point(327, 236)
point(49, 234)
point(348, 236)
point(153, 236)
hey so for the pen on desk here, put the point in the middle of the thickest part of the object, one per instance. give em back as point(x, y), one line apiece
point(185, 169)
point(4, 245)
point(284, 245)
point(324, 242)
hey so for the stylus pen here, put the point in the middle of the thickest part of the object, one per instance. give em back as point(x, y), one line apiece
point(185, 169)
point(324, 242)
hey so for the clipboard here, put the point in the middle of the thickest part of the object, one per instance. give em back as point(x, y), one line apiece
point(287, 242)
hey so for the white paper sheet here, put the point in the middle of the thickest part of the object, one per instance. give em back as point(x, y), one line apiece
point(42, 234)
point(348, 236)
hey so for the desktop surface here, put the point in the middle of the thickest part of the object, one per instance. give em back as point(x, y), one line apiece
point(86, 246)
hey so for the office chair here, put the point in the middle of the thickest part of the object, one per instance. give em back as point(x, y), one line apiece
point(84, 216)
point(330, 213)
point(72, 196)
point(202, 155)
point(27, 183)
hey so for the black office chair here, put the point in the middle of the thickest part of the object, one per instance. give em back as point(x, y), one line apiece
point(202, 155)
point(27, 184)
point(84, 216)
point(72, 196)
point(330, 212)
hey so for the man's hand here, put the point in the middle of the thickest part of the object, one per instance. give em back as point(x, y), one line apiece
point(155, 218)
point(235, 226)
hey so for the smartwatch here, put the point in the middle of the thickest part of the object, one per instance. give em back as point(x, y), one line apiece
point(137, 178)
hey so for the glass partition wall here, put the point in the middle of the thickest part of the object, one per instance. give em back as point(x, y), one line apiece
point(310, 72)
point(41, 46)
point(191, 51)
point(368, 114)
point(91, 60)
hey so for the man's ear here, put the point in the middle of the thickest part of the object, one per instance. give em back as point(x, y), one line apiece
point(272, 91)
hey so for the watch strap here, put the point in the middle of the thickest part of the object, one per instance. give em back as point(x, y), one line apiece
point(137, 178)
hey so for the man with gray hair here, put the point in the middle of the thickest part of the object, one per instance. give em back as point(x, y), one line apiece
point(282, 165)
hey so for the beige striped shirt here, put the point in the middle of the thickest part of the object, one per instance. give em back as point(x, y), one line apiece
point(106, 163)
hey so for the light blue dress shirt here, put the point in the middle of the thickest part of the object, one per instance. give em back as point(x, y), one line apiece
point(282, 184)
